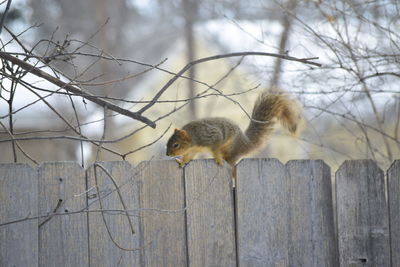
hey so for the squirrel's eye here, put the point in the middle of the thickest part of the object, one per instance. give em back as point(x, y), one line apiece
point(176, 145)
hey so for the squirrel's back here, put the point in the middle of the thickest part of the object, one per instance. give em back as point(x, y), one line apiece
point(226, 140)
point(211, 131)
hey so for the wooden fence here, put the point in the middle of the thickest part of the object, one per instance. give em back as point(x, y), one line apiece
point(278, 215)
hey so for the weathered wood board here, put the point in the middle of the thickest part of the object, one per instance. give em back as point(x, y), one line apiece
point(210, 214)
point(18, 200)
point(394, 211)
point(311, 220)
point(126, 249)
point(63, 239)
point(362, 215)
point(163, 216)
point(262, 208)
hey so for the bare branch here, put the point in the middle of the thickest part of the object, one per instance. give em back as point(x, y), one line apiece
point(238, 54)
point(17, 144)
point(38, 72)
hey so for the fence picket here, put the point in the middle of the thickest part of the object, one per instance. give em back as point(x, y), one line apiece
point(262, 213)
point(163, 216)
point(210, 214)
point(63, 239)
point(362, 214)
point(311, 233)
point(394, 210)
point(18, 200)
point(102, 250)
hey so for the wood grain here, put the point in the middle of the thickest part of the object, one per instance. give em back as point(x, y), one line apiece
point(278, 215)
point(394, 210)
point(362, 215)
point(102, 250)
point(63, 239)
point(163, 217)
point(18, 200)
point(262, 207)
point(311, 233)
point(210, 214)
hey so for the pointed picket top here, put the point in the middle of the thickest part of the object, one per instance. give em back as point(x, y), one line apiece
point(62, 190)
point(311, 215)
point(210, 214)
point(114, 235)
point(19, 166)
point(162, 216)
point(362, 214)
point(262, 212)
point(350, 165)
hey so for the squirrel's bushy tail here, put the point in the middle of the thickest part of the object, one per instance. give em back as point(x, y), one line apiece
point(267, 110)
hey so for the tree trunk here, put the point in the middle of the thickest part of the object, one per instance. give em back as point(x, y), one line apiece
point(190, 13)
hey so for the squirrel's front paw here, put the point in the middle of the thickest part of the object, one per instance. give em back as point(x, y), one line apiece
point(181, 163)
point(219, 161)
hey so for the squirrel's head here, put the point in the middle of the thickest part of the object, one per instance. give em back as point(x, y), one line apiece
point(178, 143)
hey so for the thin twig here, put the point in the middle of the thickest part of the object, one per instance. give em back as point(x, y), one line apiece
point(237, 54)
point(19, 147)
point(148, 144)
point(104, 219)
point(118, 192)
point(38, 72)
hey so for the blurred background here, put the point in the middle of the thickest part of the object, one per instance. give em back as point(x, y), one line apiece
point(125, 51)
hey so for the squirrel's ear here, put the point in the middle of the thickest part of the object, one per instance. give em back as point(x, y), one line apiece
point(182, 133)
point(185, 135)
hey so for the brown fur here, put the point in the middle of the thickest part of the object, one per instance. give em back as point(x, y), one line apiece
point(224, 139)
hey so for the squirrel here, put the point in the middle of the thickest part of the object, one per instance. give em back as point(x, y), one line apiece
point(225, 140)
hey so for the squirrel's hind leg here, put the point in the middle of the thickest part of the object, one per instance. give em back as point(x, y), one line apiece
point(218, 157)
point(220, 153)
